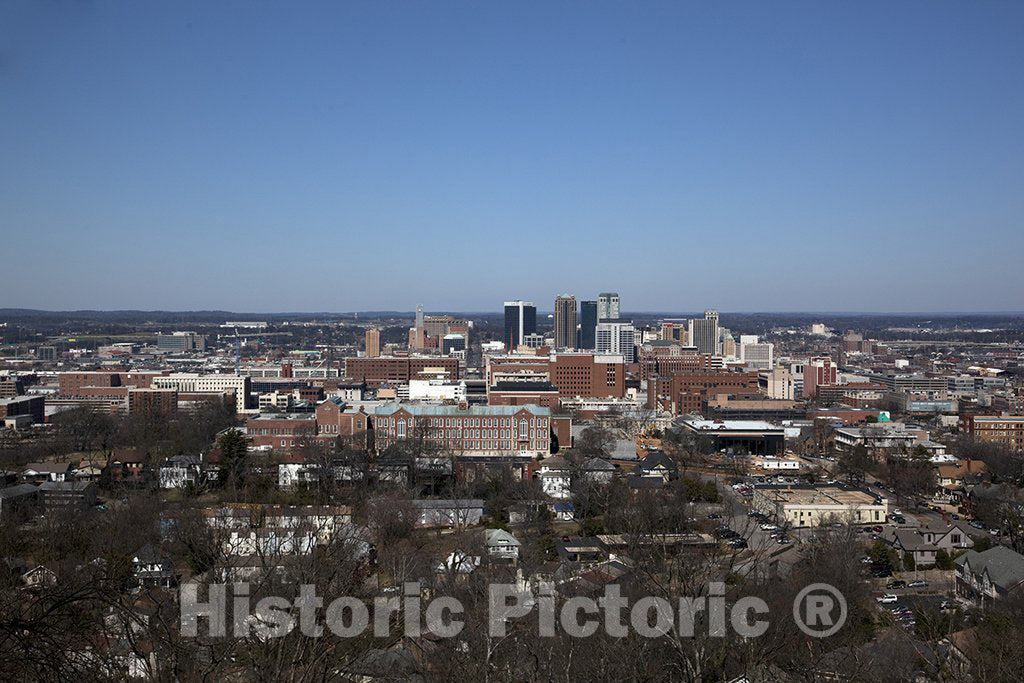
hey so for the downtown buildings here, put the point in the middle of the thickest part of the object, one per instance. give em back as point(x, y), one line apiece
point(565, 322)
point(520, 321)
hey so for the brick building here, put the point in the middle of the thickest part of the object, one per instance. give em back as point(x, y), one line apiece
point(71, 383)
point(16, 406)
point(684, 394)
point(1005, 430)
point(393, 369)
point(664, 358)
point(522, 432)
point(335, 417)
point(280, 431)
point(573, 373)
point(152, 401)
point(519, 393)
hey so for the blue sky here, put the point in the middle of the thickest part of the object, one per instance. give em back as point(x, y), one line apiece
point(341, 156)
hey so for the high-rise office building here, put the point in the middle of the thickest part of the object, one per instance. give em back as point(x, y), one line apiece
point(418, 334)
point(704, 333)
point(616, 336)
point(607, 306)
point(588, 324)
point(757, 354)
point(372, 342)
point(819, 371)
point(565, 322)
point(520, 320)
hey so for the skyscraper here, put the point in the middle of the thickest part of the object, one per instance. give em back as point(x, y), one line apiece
point(565, 322)
point(417, 334)
point(704, 333)
point(372, 342)
point(520, 320)
point(616, 336)
point(588, 324)
point(608, 306)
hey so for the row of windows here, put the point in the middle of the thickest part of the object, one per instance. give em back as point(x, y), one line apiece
point(540, 422)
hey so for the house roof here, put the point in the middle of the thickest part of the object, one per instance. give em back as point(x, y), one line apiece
point(908, 539)
point(555, 462)
point(499, 536)
point(17, 491)
point(1004, 567)
point(148, 554)
point(963, 468)
point(47, 467)
point(597, 464)
point(447, 503)
point(65, 485)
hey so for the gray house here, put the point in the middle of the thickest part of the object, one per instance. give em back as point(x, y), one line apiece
point(989, 575)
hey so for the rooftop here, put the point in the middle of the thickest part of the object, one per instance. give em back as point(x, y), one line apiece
point(432, 410)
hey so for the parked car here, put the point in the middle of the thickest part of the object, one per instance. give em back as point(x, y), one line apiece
point(888, 599)
point(714, 515)
point(738, 543)
point(896, 583)
point(919, 583)
point(768, 527)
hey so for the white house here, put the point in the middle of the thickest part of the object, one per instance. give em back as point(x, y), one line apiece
point(180, 471)
point(555, 478)
point(501, 545)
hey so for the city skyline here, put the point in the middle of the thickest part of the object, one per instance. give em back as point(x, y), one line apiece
point(863, 159)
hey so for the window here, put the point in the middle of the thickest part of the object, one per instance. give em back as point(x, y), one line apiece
point(401, 429)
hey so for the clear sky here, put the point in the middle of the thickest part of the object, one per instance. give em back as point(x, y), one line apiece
point(339, 156)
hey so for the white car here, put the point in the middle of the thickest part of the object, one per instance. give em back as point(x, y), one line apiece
point(887, 599)
point(769, 527)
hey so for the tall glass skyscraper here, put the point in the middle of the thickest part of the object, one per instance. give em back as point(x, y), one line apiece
point(588, 324)
point(520, 320)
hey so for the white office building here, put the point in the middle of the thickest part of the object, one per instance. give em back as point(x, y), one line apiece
point(188, 382)
point(616, 337)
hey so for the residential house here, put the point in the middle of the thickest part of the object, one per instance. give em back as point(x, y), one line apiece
point(657, 465)
point(458, 563)
point(39, 576)
point(58, 495)
point(151, 569)
point(989, 575)
point(555, 477)
point(450, 513)
point(501, 545)
point(127, 467)
point(583, 549)
point(38, 472)
point(255, 529)
point(598, 470)
point(20, 498)
point(954, 479)
point(180, 471)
